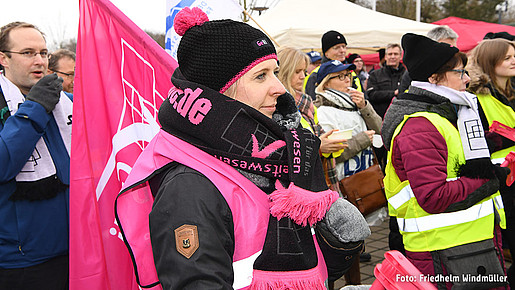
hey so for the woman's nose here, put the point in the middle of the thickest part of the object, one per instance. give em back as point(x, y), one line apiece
point(277, 87)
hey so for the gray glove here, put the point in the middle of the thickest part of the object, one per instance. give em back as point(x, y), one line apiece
point(46, 91)
point(344, 221)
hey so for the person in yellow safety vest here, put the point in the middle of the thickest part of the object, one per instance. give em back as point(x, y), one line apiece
point(334, 47)
point(441, 33)
point(440, 183)
point(315, 60)
point(492, 67)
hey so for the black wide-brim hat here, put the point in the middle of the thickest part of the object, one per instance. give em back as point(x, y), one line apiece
point(424, 56)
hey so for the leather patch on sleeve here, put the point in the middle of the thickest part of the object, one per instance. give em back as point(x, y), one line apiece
point(186, 240)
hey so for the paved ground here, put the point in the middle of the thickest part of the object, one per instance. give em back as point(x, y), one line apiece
point(376, 245)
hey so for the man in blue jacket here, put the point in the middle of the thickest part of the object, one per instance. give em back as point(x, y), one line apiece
point(35, 135)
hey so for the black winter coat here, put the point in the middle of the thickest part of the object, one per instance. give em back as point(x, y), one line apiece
point(382, 84)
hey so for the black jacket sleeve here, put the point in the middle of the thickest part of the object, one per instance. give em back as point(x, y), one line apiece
point(185, 196)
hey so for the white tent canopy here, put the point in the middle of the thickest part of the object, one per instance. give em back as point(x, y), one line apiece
point(301, 24)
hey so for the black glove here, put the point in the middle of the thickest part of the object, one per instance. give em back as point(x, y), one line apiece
point(485, 190)
point(46, 91)
point(477, 168)
point(502, 174)
point(338, 259)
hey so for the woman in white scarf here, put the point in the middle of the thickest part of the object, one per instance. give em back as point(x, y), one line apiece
point(343, 108)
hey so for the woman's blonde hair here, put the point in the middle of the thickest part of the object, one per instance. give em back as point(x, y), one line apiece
point(289, 58)
point(488, 54)
point(231, 91)
point(321, 86)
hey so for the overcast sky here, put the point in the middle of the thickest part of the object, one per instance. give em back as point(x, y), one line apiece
point(59, 19)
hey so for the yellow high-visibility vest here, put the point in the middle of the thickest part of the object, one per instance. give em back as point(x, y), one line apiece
point(305, 124)
point(423, 231)
point(497, 111)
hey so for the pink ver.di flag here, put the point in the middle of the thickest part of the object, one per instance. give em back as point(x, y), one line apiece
point(122, 77)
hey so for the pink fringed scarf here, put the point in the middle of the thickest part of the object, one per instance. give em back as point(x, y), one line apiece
point(298, 280)
point(302, 206)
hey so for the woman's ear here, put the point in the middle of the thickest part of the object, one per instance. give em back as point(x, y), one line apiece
point(432, 79)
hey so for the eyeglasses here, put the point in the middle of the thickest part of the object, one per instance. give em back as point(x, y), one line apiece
point(342, 76)
point(462, 71)
point(66, 74)
point(30, 53)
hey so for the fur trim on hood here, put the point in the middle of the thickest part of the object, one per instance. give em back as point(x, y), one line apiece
point(478, 80)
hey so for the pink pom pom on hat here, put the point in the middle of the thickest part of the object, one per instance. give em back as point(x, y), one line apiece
point(187, 18)
point(217, 53)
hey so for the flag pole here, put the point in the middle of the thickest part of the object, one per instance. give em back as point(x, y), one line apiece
point(276, 43)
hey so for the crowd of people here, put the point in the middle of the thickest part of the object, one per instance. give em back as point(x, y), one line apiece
point(218, 224)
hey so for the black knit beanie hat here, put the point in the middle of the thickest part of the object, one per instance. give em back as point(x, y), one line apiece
point(424, 56)
point(504, 34)
point(332, 38)
point(382, 53)
point(352, 57)
point(217, 53)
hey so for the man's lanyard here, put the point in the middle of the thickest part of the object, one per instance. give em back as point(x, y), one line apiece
point(4, 109)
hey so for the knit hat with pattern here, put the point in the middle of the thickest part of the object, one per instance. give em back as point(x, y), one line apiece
point(217, 53)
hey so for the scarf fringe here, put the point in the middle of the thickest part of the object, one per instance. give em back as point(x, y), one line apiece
point(301, 205)
point(42, 189)
point(287, 285)
point(289, 280)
